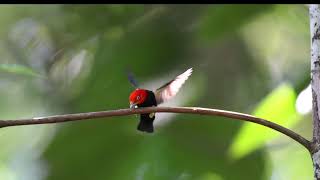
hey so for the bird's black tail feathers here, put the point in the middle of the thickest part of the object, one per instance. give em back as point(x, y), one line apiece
point(146, 123)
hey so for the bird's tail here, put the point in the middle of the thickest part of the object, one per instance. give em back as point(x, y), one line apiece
point(146, 123)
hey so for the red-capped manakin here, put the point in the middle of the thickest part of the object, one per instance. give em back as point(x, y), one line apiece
point(146, 98)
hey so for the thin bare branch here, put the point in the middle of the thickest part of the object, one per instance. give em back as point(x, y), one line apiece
point(186, 110)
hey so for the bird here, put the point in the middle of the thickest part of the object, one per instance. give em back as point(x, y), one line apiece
point(148, 98)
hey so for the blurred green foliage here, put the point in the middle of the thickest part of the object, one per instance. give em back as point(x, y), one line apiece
point(240, 55)
point(219, 21)
point(18, 69)
point(278, 107)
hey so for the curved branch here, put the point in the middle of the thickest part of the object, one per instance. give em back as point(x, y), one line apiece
point(187, 110)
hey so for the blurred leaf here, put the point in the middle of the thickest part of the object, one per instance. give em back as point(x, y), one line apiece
point(5, 172)
point(274, 49)
point(219, 20)
point(290, 162)
point(278, 107)
point(19, 69)
point(210, 176)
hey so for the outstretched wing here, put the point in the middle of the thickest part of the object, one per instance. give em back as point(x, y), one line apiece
point(132, 79)
point(171, 88)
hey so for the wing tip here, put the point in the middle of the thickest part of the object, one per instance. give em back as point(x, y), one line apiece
point(188, 72)
point(164, 93)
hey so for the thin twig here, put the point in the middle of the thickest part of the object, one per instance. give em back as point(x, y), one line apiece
point(187, 110)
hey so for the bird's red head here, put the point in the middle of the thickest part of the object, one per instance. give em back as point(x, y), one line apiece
point(137, 97)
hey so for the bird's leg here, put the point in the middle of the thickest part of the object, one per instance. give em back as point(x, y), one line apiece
point(151, 115)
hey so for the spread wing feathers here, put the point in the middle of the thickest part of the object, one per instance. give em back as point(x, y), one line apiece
point(132, 79)
point(171, 88)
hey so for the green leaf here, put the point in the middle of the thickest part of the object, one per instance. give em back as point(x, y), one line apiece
point(219, 20)
point(278, 107)
point(292, 161)
point(19, 69)
point(210, 176)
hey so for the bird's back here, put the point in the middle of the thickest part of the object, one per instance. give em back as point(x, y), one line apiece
point(150, 101)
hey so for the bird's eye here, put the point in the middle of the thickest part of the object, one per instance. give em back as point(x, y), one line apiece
point(138, 97)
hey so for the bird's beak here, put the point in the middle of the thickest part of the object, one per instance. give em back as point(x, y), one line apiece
point(132, 105)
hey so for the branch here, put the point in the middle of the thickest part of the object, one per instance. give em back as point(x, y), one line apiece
point(187, 110)
point(315, 69)
point(314, 13)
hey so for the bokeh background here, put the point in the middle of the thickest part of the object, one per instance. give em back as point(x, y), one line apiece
point(58, 59)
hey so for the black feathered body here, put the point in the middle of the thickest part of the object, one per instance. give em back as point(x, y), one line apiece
point(146, 120)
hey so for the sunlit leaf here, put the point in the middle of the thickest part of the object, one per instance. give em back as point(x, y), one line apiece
point(278, 107)
point(210, 176)
point(19, 69)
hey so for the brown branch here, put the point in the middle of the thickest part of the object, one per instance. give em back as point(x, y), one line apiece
point(187, 110)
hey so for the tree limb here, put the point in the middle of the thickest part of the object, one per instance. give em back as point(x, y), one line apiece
point(314, 13)
point(315, 69)
point(186, 110)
